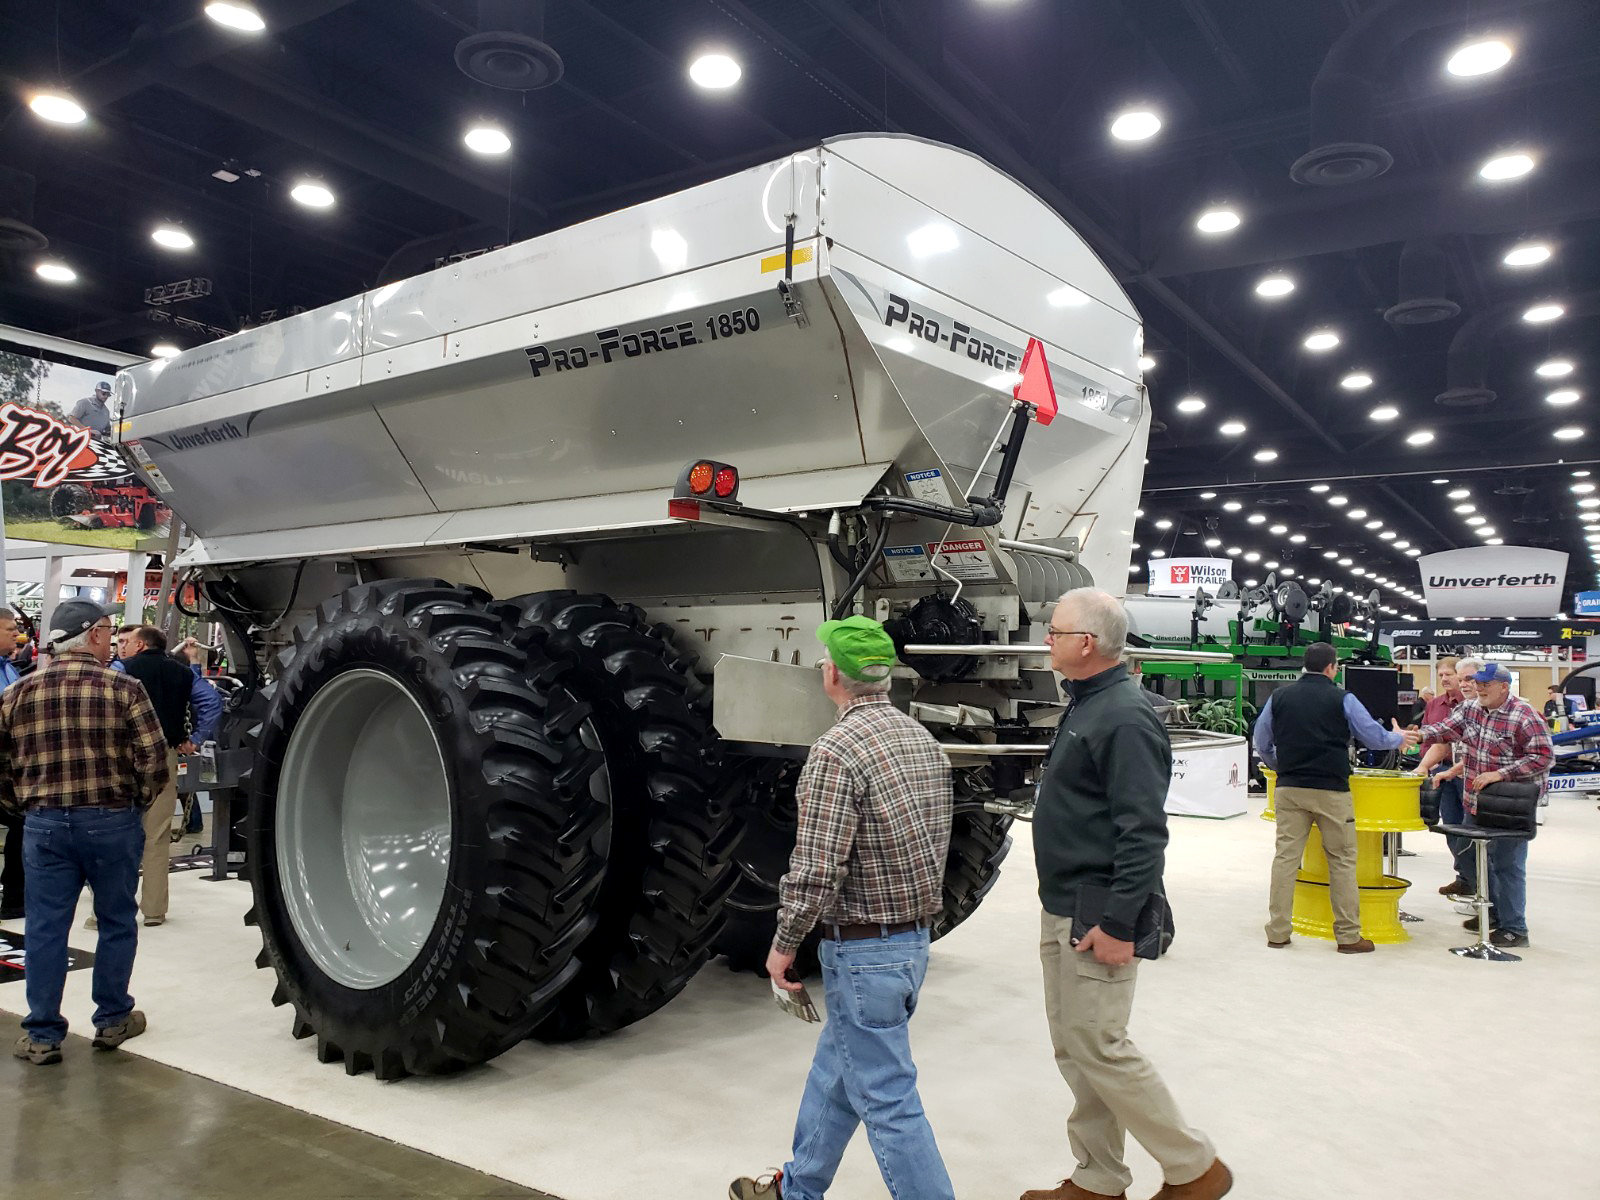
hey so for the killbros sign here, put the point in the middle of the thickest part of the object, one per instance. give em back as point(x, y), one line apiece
point(41, 448)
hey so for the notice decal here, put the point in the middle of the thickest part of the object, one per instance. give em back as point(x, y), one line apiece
point(907, 564)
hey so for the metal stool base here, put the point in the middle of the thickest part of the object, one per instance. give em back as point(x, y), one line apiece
point(1485, 953)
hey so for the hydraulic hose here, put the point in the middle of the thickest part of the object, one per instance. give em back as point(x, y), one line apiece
point(978, 514)
point(841, 606)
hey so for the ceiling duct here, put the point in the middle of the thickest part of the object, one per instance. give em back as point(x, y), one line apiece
point(510, 51)
point(1423, 272)
point(17, 234)
point(1467, 369)
point(1345, 93)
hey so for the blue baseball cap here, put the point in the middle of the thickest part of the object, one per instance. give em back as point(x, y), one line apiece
point(1492, 673)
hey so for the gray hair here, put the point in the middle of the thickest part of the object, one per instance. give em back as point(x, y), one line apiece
point(78, 641)
point(859, 687)
point(1101, 614)
point(1468, 666)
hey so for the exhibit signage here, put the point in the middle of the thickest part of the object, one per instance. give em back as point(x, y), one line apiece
point(1182, 576)
point(1586, 604)
point(1209, 780)
point(1487, 633)
point(1494, 581)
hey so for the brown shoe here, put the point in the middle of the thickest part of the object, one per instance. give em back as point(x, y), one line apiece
point(1071, 1191)
point(1278, 945)
point(1214, 1184)
point(1456, 887)
point(1363, 946)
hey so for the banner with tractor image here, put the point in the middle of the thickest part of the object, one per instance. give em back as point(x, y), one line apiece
point(64, 480)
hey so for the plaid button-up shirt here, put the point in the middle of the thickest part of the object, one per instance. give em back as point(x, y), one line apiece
point(1512, 739)
point(79, 734)
point(875, 807)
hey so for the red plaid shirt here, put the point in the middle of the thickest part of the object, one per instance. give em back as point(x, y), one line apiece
point(875, 808)
point(1512, 739)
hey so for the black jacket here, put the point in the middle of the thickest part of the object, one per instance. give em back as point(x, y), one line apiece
point(1101, 814)
point(169, 684)
point(1311, 734)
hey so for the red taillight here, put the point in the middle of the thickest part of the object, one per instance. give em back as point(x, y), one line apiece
point(700, 478)
point(727, 482)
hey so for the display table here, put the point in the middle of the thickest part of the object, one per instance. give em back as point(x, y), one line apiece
point(1385, 802)
point(1209, 774)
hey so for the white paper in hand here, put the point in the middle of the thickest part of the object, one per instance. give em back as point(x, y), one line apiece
point(796, 1004)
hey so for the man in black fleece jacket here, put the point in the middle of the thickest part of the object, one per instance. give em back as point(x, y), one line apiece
point(1100, 823)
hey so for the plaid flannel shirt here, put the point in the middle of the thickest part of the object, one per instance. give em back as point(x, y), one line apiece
point(1512, 739)
point(79, 734)
point(875, 808)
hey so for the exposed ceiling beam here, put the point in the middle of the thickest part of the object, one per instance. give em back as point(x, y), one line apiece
point(1508, 456)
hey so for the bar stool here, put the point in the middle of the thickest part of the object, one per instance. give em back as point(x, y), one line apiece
point(1507, 812)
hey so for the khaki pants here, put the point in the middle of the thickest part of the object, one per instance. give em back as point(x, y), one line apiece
point(158, 844)
point(1334, 815)
point(1117, 1092)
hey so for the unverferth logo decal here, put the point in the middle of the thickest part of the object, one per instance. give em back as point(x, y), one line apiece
point(37, 446)
point(1542, 579)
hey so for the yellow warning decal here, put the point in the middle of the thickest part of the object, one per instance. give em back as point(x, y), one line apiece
point(774, 262)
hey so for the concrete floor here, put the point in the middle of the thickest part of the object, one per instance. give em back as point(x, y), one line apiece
point(1406, 1073)
point(115, 1126)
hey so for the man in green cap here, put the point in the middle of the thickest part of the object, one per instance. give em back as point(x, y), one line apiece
point(868, 866)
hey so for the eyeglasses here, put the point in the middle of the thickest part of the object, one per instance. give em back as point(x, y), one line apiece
point(1053, 632)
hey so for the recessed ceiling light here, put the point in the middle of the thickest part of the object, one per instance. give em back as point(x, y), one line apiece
point(1345, 562)
point(1217, 220)
point(1477, 520)
point(1388, 535)
point(1265, 455)
point(1270, 565)
point(1356, 514)
point(715, 71)
point(1319, 488)
point(312, 194)
point(1506, 166)
point(1252, 557)
point(1580, 474)
point(1413, 553)
point(1438, 481)
point(1555, 368)
point(1527, 254)
point(1466, 508)
point(58, 108)
point(1338, 501)
point(1208, 495)
point(1589, 502)
point(1138, 512)
point(172, 237)
point(1257, 518)
point(1163, 523)
point(1191, 404)
point(1564, 396)
point(1540, 313)
point(1583, 489)
point(1299, 539)
point(1494, 541)
point(1158, 554)
point(1479, 58)
point(1278, 530)
point(1133, 568)
point(1322, 339)
point(1458, 493)
point(1384, 412)
point(1358, 570)
point(1330, 554)
point(1231, 506)
point(1231, 428)
point(1356, 381)
point(1235, 551)
point(1146, 363)
point(487, 139)
point(164, 350)
point(1213, 542)
point(1135, 125)
point(1374, 525)
point(1401, 545)
point(1273, 287)
point(235, 14)
point(1570, 433)
point(1419, 437)
point(55, 272)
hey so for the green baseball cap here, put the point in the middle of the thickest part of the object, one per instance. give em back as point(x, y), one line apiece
point(859, 647)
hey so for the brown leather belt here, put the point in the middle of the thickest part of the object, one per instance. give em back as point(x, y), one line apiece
point(859, 933)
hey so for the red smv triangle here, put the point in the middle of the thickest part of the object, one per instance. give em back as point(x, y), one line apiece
point(1036, 388)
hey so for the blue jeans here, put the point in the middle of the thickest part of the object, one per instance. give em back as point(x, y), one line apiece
point(1508, 884)
point(65, 848)
point(1453, 811)
point(863, 1073)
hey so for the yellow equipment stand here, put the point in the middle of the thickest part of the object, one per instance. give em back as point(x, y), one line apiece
point(1385, 802)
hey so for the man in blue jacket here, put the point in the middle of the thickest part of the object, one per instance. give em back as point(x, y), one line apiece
point(1303, 733)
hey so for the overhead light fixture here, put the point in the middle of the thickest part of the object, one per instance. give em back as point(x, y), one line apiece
point(1570, 433)
point(1589, 502)
point(58, 108)
point(1564, 396)
point(1384, 412)
point(1555, 368)
point(164, 350)
point(1191, 404)
point(1217, 220)
point(52, 271)
point(487, 139)
point(1235, 551)
point(1374, 525)
point(1356, 514)
point(1164, 523)
point(1345, 562)
point(1278, 530)
point(1506, 166)
point(1319, 488)
point(1158, 554)
point(172, 237)
point(1257, 518)
point(1494, 541)
point(1231, 506)
point(1580, 474)
point(1358, 570)
point(1208, 495)
point(1146, 363)
point(1402, 545)
point(1458, 493)
point(1330, 554)
point(1252, 557)
point(1231, 428)
point(236, 14)
point(1321, 340)
point(312, 194)
point(1388, 535)
point(1213, 542)
point(1541, 313)
point(1299, 539)
point(1466, 508)
point(1583, 489)
point(1419, 437)
point(1413, 553)
point(715, 72)
point(1135, 125)
point(1477, 520)
point(1356, 381)
point(1274, 287)
point(1485, 531)
point(1271, 565)
point(1133, 568)
point(1528, 254)
point(1338, 501)
point(1265, 455)
point(1438, 481)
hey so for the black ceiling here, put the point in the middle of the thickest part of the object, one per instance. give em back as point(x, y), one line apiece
point(367, 95)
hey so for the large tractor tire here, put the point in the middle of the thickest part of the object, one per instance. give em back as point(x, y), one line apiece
point(423, 840)
point(69, 499)
point(673, 830)
point(979, 843)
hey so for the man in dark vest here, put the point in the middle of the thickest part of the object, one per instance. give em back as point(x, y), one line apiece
point(1303, 733)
